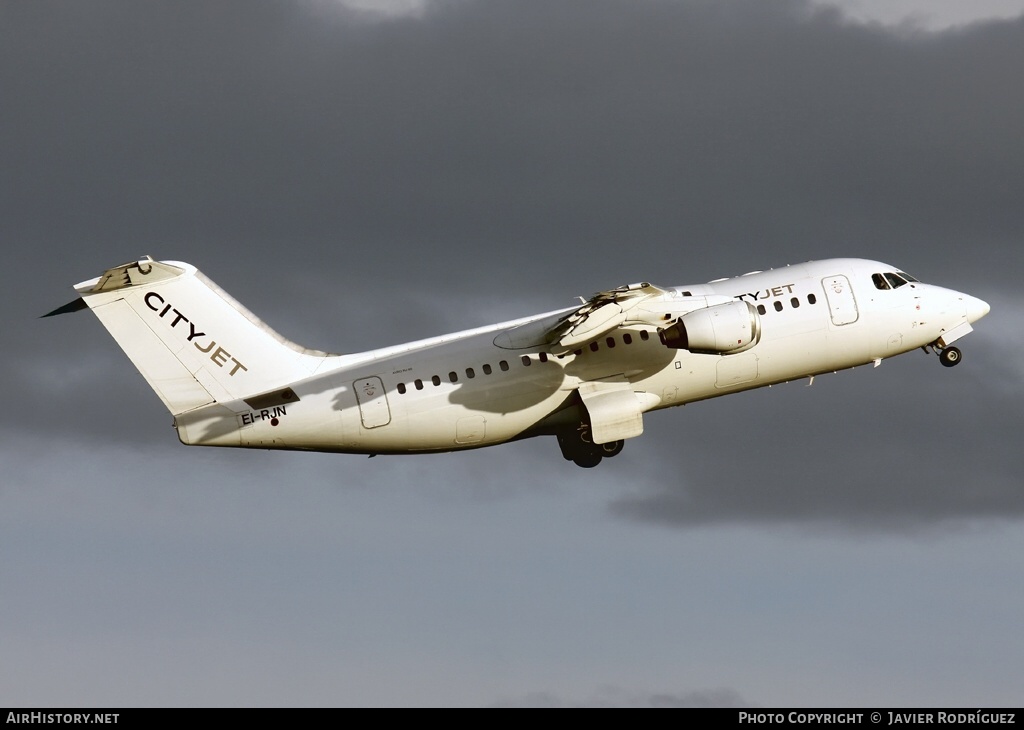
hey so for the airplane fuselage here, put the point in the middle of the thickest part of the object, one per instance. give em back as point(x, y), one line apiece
point(508, 381)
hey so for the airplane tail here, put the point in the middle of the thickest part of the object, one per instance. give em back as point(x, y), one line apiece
point(193, 342)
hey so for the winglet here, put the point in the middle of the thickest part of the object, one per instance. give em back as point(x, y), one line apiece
point(74, 306)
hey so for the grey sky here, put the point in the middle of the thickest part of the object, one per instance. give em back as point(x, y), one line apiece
point(932, 15)
point(359, 180)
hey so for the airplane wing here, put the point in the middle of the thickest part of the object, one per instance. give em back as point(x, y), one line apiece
point(566, 331)
point(602, 313)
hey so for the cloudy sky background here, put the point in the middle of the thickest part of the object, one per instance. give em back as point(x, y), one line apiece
point(360, 177)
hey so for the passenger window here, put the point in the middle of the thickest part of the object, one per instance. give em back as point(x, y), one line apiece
point(436, 379)
point(795, 302)
point(470, 373)
point(778, 306)
point(526, 360)
point(419, 384)
point(543, 357)
point(610, 342)
point(401, 388)
point(487, 369)
point(503, 365)
point(594, 347)
point(453, 376)
point(761, 309)
point(644, 335)
point(811, 299)
point(627, 339)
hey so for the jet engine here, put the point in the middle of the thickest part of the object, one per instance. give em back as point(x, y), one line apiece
point(722, 329)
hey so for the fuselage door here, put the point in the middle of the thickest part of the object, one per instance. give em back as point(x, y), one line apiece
point(373, 403)
point(841, 303)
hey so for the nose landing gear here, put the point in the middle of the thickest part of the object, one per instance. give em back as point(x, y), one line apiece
point(950, 356)
point(578, 447)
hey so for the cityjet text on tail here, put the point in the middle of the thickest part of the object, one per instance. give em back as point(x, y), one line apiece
point(585, 375)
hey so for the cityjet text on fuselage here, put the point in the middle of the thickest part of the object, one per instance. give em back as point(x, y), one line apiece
point(762, 294)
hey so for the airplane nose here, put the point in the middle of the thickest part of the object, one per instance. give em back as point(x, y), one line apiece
point(976, 308)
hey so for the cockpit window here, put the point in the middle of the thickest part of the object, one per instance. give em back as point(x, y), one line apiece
point(891, 280)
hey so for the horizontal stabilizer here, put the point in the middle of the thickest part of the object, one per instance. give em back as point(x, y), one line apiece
point(75, 306)
point(269, 400)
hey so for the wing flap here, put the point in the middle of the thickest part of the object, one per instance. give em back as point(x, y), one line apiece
point(591, 324)
point(601, 314)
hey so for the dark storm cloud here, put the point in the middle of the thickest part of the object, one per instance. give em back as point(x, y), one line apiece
point(904, 448)
point(357, 183)
point(561, 135)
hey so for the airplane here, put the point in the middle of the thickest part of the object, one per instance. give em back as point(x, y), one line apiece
point(585, 374)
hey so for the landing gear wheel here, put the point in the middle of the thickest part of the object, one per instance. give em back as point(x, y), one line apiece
point(950, 356)
point(613, 448)
point(578, 447)
point(588, 460)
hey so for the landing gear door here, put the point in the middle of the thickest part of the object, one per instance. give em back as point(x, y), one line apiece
point(613, 408)
point(841, 303)
point(373, 403)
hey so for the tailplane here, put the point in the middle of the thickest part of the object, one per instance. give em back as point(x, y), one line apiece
point(191, 340)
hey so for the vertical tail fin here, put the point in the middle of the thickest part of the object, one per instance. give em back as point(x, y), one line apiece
point(193, 342)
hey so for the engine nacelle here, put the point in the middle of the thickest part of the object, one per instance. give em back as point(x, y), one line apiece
point(723, 329)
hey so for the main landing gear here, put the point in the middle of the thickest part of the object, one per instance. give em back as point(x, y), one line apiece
point(578, 446)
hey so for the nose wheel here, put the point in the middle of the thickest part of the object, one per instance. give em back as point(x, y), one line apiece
point(950, 356)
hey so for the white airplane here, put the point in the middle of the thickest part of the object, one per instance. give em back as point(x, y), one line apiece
point(585, 374)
